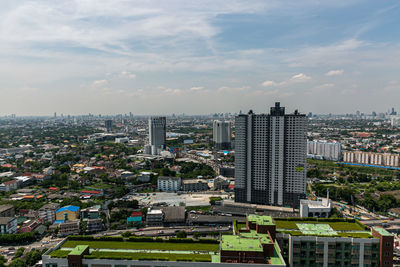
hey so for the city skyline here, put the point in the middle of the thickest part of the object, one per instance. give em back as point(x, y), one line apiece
point(198, 58)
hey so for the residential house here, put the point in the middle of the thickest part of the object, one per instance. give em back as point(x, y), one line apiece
point(7, 210)
point(47, 213)
point(9, 186)
point(8, 225)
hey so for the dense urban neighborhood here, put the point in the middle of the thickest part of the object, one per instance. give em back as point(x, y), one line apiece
point(146, 189)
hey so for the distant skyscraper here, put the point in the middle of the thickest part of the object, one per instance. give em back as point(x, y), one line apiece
point(157, 133)
point(55, 114)
point(270, 157)
point(108, 125)
point(222, 134)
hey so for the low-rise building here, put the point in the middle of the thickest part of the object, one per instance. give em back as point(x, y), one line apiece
point(9, 186)
point(8, 225)
point(7, 210)
point(28, 226)
point(194, 185)
point(154, 217)
point(68, 228)
point(135, 218)
point(94, 225)
point(47, 213)
point(315, 208)
point(68, 213)
point(174, 215)
point(91, 213)
point(166, 183)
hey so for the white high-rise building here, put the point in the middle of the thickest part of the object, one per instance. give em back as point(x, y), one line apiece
point(395, 121)
point(222, 134)
point(326, 150)
point(270, 157)
point(157, 134)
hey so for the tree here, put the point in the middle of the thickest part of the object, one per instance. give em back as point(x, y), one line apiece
point(19, 252)
point(196, 235)
point(181, 234)
point(126, 234)
point(17, 263)
point(3, 261)
point(33, 256)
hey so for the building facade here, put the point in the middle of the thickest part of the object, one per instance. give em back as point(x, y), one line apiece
point(67, 213)
point(194, 185)
point(324, 150)
point(222, 134)
point(157, 134)
point(108, 125)
point(7, 210)
point(165, 183)
point(47, 213)
point(270, 157)
point(370, 158)
point(8, 225)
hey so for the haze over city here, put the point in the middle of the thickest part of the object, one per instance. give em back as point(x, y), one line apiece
point(198, 57)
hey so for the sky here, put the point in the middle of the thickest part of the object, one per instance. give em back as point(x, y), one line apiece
point(198, 57)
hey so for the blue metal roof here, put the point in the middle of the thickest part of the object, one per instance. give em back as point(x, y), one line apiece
point(69, 208)
point(59, 221)
point(134, 219)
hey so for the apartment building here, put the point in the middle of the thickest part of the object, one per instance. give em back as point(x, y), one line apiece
point(270, 157)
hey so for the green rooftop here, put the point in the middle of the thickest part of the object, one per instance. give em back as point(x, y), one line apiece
point(78, 250)
point(382, 231)
point(316, 229)
point(260, 219)
point(263, 238)
point(238, 243)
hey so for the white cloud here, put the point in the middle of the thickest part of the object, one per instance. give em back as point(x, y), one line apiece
point(99, 83)
point(334, 73)
point(301, 77)
point(269, 83)
point(227, 89)
point(197, 88)
point(127, 74)
point(171, 91)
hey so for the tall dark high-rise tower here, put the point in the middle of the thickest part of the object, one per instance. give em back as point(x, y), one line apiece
point(108, 125)
point(270, 157)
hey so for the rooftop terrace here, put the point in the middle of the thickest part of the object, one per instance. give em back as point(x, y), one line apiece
point(260, 220)
point(78, 250)
point(322, 227)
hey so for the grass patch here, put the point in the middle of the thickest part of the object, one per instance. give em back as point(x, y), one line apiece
point(143, 245)
point(353, 235)
point(337, 226)
point(59, 253)
point(149, 256)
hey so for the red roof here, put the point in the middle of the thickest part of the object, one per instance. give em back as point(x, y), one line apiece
point(136, 214)
point(8, 165)
point(53, 188)
point(231, 186)
point(90, 192)
point(10, 182)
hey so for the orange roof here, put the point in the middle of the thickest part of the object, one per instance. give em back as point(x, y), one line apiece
point(29, 197)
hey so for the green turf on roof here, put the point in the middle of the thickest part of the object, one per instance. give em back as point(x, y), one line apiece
point(78, 250)
point(260, 219)
point(382, 231)
point(237, 243)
